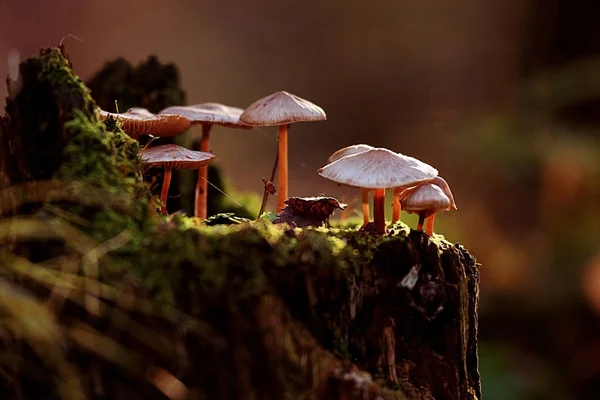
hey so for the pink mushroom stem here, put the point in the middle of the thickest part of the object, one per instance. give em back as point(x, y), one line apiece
point(429, 226)
point(365, 206)
point(379, 210)
point(164, 194)
point(200, 206)
point(421, 221)
point(396, 206)
point(282, 177)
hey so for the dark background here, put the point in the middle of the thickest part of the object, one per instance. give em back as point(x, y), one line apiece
point(501, 96)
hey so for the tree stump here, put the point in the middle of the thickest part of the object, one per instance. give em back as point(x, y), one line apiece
point(255, 310)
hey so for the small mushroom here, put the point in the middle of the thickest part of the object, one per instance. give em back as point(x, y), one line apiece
point(206, 114)
point(171, 156)
point(347, 151)
point(281, 109)
point(397, 204)
point(427, 199)
point(378, 169)
point(137, 123)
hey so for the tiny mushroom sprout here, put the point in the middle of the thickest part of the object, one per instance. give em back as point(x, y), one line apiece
point(206, 114)
point(427, 199)
point(137, 122)
point(347, 151)
point(170, 156)
point(281, 109)
point(378, 169)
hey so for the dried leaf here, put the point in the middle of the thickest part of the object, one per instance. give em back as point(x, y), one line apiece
point(308, 211)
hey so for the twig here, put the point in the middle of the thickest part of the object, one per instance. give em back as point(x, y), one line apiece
point(268, 190)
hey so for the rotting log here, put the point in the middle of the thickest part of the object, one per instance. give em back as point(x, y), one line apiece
point(255, 311)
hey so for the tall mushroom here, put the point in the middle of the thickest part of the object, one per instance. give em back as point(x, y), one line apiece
point(281, 109)
point(172, 156)
point(206, 114)
point(427, 199)
point(347, 151)
point(378, 169)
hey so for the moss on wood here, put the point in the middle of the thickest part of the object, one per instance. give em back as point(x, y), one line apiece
point(250, 310)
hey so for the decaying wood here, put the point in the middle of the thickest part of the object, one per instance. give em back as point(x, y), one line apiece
point(401, 326)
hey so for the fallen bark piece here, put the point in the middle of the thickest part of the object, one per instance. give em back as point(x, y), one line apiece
point(303, 212)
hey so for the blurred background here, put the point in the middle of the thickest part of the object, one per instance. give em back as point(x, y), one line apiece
point(502, 97)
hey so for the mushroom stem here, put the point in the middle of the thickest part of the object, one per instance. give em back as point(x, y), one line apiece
point(282, 177)
point(421, 221)
point(429, 226)
point(365, 205)
point(164, 194)
point(200, 206)
point(379, 210)
point(396, 207)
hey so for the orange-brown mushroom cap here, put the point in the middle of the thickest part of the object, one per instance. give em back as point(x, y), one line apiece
point(137, 123)
point(281, 108)
point(348, 151)
point(378, 168)
point(210, 113)
point(176, 157)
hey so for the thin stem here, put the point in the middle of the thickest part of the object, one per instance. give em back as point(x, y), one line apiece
point(200, 206)
point(263, 204)
point(164, 194)
point(429, 227)
point(282, 179)
point(421, 221)
point(365, 206)
point(379, 210)
point(396, 206)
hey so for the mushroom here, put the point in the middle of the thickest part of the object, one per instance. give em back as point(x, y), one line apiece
point(427, 199)
point(378, 169)
point(347, 151)
point(137, 123)
point(206, 114)
point(172, 156)
point(281, 109)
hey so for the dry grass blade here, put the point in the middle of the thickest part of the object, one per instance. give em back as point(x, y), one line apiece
point(14, 196)
point(37, 192)
point(23, 228)
point(101, 345)
point(168, 384)
point(78, 285)
point(30, 321)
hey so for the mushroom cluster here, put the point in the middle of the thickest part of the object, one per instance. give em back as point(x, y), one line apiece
point(279, 109)
point(416, 185)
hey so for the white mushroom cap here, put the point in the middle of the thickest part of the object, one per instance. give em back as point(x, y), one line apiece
point(378, 168)
point(427, 197)
point(211, 113)
point(281, 108)
point(348, 151)
point(441, 182)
